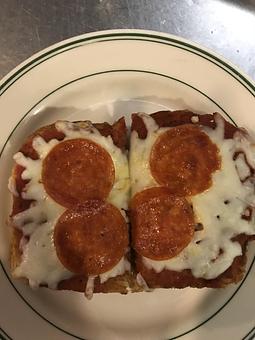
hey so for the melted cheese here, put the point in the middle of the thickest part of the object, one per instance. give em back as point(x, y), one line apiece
point(89, 289)
point(142, 283)
point(120, 192)
point(139, 167)
point(121, 267)
point(241, 167)
point(12, 187)
point(39, 263)
point(219, 208)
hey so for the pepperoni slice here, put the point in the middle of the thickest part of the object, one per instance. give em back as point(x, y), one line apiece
point(162, 223)
point(183, 159)
point(92, 239)
point(76, 170)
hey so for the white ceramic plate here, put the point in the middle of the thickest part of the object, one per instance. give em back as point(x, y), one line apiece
point(102, 76)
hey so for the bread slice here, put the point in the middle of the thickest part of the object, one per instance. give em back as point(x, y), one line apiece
point(169, 278)
point(118, 133)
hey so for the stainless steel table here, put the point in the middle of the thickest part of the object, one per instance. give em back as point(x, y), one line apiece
point(227, 27)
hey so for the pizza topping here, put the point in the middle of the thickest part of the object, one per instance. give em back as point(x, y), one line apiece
point(142, 283)
point(140, 147)
point(48, 133)
point(183, 159)
point(35, 213)
point(220, 209)
point(76, 170)
point(162, 224)
point(12, 187)
point(194, 119)
point(121, 267)
point(242, 166)
point(89, 288)
point(92, 239)
point(118, 195)
point(40, 264)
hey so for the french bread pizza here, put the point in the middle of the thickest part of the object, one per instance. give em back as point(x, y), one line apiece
point(192, 201)
point(70, 188)
point(170, 207)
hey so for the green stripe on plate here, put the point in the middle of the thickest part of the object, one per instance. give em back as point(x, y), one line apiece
point(4, 335)
point(129, 36)
point(250, 335)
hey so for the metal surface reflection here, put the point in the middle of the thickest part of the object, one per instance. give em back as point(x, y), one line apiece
point(227, 27)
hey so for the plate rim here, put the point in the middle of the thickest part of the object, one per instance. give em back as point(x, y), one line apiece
point(87, 38)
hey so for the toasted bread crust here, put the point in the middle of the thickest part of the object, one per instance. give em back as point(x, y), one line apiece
point(174, 279)
point(175, 118)
point(119, 284)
